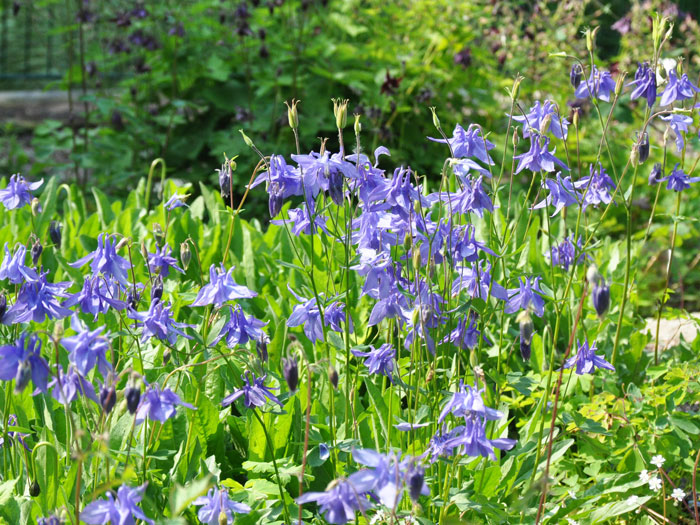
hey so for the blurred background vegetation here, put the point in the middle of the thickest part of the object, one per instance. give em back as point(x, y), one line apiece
point(178, 79)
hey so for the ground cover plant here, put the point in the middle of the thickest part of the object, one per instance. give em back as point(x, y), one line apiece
point(386, 347)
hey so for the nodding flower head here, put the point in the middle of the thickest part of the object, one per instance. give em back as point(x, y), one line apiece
point(18, 192)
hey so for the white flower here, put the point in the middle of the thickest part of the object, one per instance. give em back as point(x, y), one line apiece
point(633, 500)
point(658, 461)
point(572, 494)
point(644, 476)
point(678, 494)
point(655, 483)
point(572, 522)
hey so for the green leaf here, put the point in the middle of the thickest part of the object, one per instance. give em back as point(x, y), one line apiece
point(181, 497)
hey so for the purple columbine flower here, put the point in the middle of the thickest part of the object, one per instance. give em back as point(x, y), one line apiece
point(282, 180)
point(379, 360)
point(221, 288)
point(98, 294)
point(376, 268)
point(318, 169)
point(215, 503)
point(308, 314)
point(645, 84)
point(472, 440)
point(476, 280)
point(334, 314)
point(528, 295)
point(562, 193)
point(241, 328)
point(564, 253)
point(596, 187)
point(18, 192)
point(159, 405)
point(256, 394)
point(13, 434)
point(678, 180)
point(105, 260)
point(67, 387)
point(469, 143)
point(119, 511)
point(176, 201)
point(467, 401)
point(341, 500)
point(302, 222)
point(677, 89)
point(465, 336)
point(163, 260)
point(539, 158)
point(50, 520)
point(464, 246)
point(13, 267)
point(399, 194)
point(679, 124)
point(22, 361)
point(158, 322)
point(425, 316)
point(586, 360)
point(471, 198)
point(87, 349)
point(598, 85)
point(37, 301)
point(534, 118)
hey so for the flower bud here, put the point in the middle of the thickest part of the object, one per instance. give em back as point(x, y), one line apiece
point(157, 288)
point(36, 207)
point(601, 298)
point(246, 139)
point(357, 126)
point(37, 248)
point(590, 39)
point(108, 397)
point(515, 90)
point(158, 233)
point(125, 241)
point(290, 369)
point(133, 396)
point(340, 110)
point(225, 181)
point(576, 117)
point(333, 377)
point(575, 75)
point(644, 148)
point(416, 256)
point(436, 120)
point(185, 255)
point(292, 114)
point(24, 374)
point(515, 137)
point(261, 349)
point(335, 187)
point(34, 489)
point(655, 175)
point(144, 250)
point(526, 330)
point(415, 479)
point(3, 304)
point(276, 198)
point(166, 356)
point(55, 233)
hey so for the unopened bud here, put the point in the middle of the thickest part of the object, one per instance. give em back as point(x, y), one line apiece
point(340, 110)
point(592, 275)
point(290, 369)
point(576, 74)
point(55, 233)
point(655, 175)
point(34, 489)
point(415, 479)
point(37, 248)
point(416, 256)
point(292, 114)
point(157, 288)
point(246, 139)
point(108, 397)
point(133, 396)
point(3, 304)
point(166, 356)
point(644, 148)
point(576, 117)
point(223, 519)
point(527, 328)
point(261, 349)
point(144, 250)
point(358, 125)
point(125, 241)
point(36, 207)
point(436, 120)
point(601, 298)
point(333, 377)
point(185, 255)
point(590, 39)
point(516, 139)
point(515, 90)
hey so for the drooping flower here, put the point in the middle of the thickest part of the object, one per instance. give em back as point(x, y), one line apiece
point(98, 294)
point(645, 84)
point(393, 304)
point(221, 288)
point(425, 316)
point(596, 187)
point(399, 193)
point(158, 321)
point(677, 89)
point(465, 336)
point(303, 222)
point(678, 180)
point(472, 440)
point(464, 246)
point(241, 328)
point(379, 360)
point(13, 267)
point(598, 85)
point(564, 253)
point(255, 393)
point(476, 280)
point(527, 296)
point(104, 260)
point(215, 503)
point(586, 360)
point(307, 313)
point(282, 180)
point(469, 143)
point(162, 260)
point(318, 168)
point(18, 192)
point(13, 434)
point(470, 198)
point(655, 174)
point(36, 301)
point(601, 297)
point(176, 201)
point(468, 401)
point(562, 193)
point(159, 405)
point(87, 349)
point(679, 124)
point(536, 116)
point(119, 511)
point(290, 371)
point(539, 158)
point(334, 314)
point(341, 500)
point(67, 386)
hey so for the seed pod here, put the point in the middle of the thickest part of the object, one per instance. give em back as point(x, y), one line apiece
point(185, 255)
point(133, 396)
point(290, 369)
point(157, 288)
point(108, 397)
point(601, 298)
point(644, 148)
point(357, 126)
point(37, 248)
point(340, 110)
point(55, 233)
point(34, 489)
point(292, 114)
point(575, 75)
point(333, 377)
